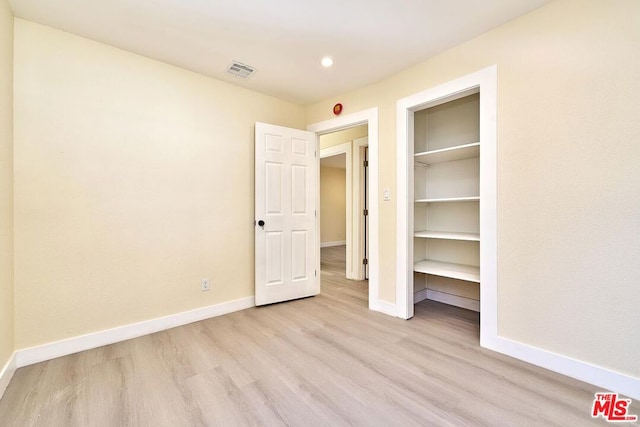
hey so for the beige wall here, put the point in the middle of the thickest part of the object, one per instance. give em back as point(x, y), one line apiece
point(568, 176)
point(333, 209)
point(6, 183)
point(123, 200)
point(134, 180)
point(340, 137)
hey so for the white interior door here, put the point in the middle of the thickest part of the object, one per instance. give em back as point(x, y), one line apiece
point(285, 223)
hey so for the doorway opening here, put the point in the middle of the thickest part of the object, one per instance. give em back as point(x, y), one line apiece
point(353, 263)
point(343, 210)
point(343, 196)
point(333, 212)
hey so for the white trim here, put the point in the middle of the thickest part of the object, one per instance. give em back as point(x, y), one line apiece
point(355, 238)
point(331, 244)
point(484, 81)
point(456, 300)
point(488, 82)
point(7, 373)
point(334, 150)
point(385, 307)
point(404, 207)
point(370, 117)
point(358, 206)
point(346, 149)
point(29, 356)
point(600, 377)
point(419, 296)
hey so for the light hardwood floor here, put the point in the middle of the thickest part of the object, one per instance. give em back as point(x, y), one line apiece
point(324, 361)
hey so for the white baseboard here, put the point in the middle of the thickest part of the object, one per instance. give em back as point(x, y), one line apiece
point(600, 377)
point(329, 244)
point(458, 301)
point(383, 307)
point(595, 375)
point(419, 296)
point(7, 373)
point(29, 356)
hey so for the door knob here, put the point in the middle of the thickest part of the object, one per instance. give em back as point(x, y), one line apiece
point(261, 224)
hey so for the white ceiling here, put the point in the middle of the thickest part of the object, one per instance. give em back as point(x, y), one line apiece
point(285, 40)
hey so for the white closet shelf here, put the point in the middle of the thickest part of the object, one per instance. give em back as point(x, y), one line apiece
point(446, 269)
point(447, 235)
point(460, 152)
point(449, 200)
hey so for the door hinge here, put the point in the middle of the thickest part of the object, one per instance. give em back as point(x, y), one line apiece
point(315, 273)
point(365, 212)
point(315, 214)
point(366, 163)
point(365, 262)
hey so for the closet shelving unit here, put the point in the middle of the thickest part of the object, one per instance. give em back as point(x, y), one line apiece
point(447, 194)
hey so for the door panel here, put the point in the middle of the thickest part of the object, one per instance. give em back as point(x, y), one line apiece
point(274, 188)
point(299, 190)
point(285, 175)
point(298, 251)
point(274, 258)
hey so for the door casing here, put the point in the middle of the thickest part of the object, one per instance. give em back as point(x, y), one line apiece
point(485, 82)
point(369, 117)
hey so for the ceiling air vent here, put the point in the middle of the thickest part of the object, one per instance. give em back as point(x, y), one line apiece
point(241, 70)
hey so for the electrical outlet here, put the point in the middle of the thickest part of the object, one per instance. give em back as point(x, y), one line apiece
point(205, 284)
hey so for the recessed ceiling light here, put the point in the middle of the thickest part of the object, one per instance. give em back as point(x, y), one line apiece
point(327, 62)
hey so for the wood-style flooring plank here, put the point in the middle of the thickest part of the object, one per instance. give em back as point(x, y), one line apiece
point(321, 361)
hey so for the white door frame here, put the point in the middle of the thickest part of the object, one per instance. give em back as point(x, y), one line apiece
point(370, 117)
point(484, 81)
point(345, 149)
point(358, 205)
point(354, 207)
